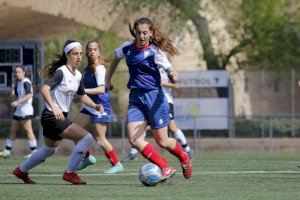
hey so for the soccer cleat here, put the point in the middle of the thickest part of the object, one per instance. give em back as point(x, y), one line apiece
point(27, 156)
point(23, 176)
point(190, 154)
point(298, 165)
point(73, 178)
point(129, 157)
point(167, 173)
point(90, 160)
point(4, 154)
point(186, 168)
point(118, 168)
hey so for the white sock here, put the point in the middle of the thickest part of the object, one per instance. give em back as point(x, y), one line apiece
point(78, 152)
point(180, 137)
point(37, 158)
point(8, 146)
point(32, 145)
point(133, 151)
point(182, 140)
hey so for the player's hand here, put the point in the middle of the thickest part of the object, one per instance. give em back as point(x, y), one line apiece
point(111, 87)
point(99, 108)
point(58, 115)
point(173, 76)
point(14, 103)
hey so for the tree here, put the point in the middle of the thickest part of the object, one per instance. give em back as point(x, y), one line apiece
point(267, 31)
point(274, 29)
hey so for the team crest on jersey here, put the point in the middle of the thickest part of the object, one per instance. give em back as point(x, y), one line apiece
point(69, 92)
point(128, 53)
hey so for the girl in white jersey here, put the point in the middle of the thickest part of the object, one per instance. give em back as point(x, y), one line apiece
point(64, 81)
point(167, 86)
point(23, 113)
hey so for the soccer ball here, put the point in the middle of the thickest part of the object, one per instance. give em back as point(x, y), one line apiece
point(150, 174)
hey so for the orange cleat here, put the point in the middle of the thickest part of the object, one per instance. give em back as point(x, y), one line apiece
point(187, 168)
point(73, 178)
point(167, 173)
point(23, 176)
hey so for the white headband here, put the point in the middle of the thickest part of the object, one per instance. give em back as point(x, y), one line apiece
point(70, 46)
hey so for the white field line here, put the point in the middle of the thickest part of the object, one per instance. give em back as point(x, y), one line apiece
point(194, 173)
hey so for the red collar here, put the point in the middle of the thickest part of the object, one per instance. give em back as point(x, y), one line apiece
point(141, 49)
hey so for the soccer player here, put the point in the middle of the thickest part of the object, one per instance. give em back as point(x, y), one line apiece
point(167, 86)
point(64, 81)
point(23, 113)
point(147, 103)
point(94, 84)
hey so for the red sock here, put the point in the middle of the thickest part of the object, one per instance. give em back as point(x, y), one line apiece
point(151, 154)
point(112, 157)
point(179, 153)
point(87, 154)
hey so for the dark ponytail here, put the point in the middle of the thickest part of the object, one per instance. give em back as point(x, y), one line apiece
point(61, 60)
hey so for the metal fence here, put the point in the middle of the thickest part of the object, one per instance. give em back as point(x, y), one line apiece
point(239, 127)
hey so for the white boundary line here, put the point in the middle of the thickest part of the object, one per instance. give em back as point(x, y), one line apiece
point(194, 173)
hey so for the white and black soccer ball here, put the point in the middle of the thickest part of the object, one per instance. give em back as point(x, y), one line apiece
point(150, 174)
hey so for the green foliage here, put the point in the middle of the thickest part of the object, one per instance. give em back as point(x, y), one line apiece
point(83, 35)
point(260, 127)
point(273, 27)
point(267, 31)
point(109, 43)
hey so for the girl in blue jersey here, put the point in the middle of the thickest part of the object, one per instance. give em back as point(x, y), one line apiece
point(94, 84)
point(64, 82)
point(147, 103)
point(23, 113)
point(167, 86)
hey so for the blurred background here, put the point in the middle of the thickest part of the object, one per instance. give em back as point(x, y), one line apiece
point(239, 65)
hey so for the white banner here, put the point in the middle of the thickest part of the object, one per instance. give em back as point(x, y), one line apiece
point(211, 78)
point(201, 114)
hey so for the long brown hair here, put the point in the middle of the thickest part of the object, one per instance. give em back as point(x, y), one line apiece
point(158, 38)
point(61, 60)
point(101, 60)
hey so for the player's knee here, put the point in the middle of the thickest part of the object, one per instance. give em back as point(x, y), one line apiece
point(49, 151)
point(88, 139)
point(101, 139)
point(162, 143)
point(133, 142)
point(100, 143)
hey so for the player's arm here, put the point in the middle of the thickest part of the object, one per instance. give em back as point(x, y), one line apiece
point(100, 79)
point(170, 85)
point(113, 66)
point(97, 90)
point(162, 61)
point(87, 100)
point(27, 87)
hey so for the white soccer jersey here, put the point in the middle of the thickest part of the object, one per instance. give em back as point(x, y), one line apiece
point(23, 88)
point(64, 84)
point(167, 90)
